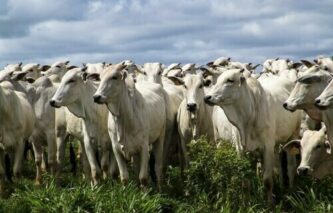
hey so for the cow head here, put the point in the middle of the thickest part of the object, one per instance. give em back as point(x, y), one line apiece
point(112, 83)
point(194, 89)
point(152, 72)
point(313, 147)
point(70, 88)
point(58, 68)
point(227, 88)
point(308, 86)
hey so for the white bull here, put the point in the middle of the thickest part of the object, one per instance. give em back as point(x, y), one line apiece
point(75, 93)
point(137, 120)
point(254, 109)
point(315, 150)
point(16, 125)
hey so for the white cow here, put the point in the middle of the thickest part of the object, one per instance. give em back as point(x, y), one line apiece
point(16, 125)
point(76, 93)
point(137, 120)
point(57, 70)
point(153, 72)
point(315, 150)
point(254, 109)
point(8, 70)
point(309, 86)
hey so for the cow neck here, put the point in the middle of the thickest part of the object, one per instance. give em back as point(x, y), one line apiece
point(328, 120)
point(314, 113)
point(84, 107)
point(325, 167)
point(245, 114)
point(3, 102)
point(123, 107)
point(201, 122)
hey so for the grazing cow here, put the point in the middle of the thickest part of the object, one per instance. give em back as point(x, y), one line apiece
point(16, 125)
point(254, 109)
point(75, 93)
point(315, 150)
point(137, 120)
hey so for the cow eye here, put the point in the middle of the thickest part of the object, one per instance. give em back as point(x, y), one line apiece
point(144, 73)
point(184, 86)
point(114, 78)
point(159, 73)
point(318, 146)
point(71, 81)
point(230, 81)
point(200, 86)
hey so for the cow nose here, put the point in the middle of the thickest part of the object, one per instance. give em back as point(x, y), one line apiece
point(285, 105)
point(302, 171)
point(53, 103)
point(191, 107)
point(207, 98)
point(317, 101)
point(97, 98)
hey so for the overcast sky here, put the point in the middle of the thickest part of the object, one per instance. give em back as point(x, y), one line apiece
point(45, 31)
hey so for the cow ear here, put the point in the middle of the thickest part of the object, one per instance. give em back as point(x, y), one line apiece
point(328, 147)
point(242, 79)
point(207, 82)
point(210, 64)
point(296, 65)
point(308, 64)
point(93, 77)
point(73, 66)
point(20, 64)
point(176, 80)
point(67, 62)
point(84, 76)
point(293, 147)
point(45, 67)
point(84, 64)
point(18, 76)
point(124, 75)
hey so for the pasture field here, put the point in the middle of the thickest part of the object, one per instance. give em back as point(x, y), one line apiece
point(217, 181)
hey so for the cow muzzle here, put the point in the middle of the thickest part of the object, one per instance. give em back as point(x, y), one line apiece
point(192, 107)
point(320, 104)
point(208, 100)
point(53, 103)
point(302, 171)
point(98, 99)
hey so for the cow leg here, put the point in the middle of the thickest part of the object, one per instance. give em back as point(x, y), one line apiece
point(51, 151)
point(113, 167)
point(84, 162)
point(61, 146)
point(94, 168)
point(2, 172)
point(38, 152)
point(19, 154)
point(136, 166)
point(158, 153)
point(184, 156)
point(144, 159)
point(105, 162)
point(292, 165)
point(268, 172)
point(121, 164)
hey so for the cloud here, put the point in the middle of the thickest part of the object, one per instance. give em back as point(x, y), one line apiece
point(167, 31)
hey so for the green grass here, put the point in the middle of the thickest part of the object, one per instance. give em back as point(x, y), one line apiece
point(217, 181)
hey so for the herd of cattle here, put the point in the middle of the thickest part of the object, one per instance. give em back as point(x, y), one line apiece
point(147, 115)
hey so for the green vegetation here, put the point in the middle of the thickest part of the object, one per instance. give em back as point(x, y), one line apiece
point(217, 181)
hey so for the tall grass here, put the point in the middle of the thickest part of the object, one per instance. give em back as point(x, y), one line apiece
point(218, 180)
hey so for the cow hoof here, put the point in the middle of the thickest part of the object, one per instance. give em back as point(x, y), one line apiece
point(38, 183)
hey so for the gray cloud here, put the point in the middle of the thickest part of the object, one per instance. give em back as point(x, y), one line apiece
point(168, 31)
